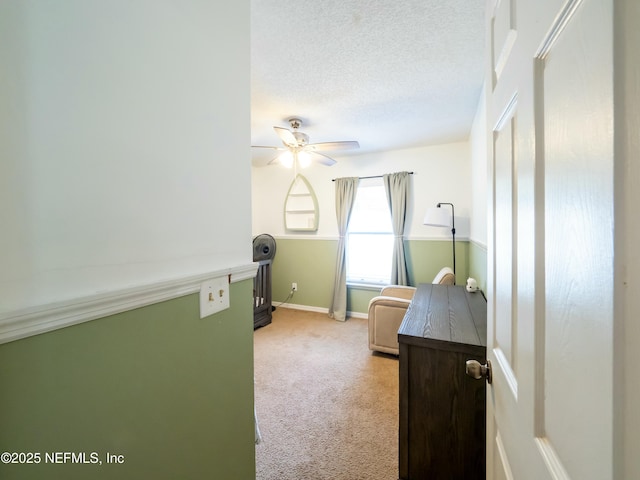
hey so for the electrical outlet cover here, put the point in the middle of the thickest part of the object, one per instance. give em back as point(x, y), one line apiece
point(214, 296)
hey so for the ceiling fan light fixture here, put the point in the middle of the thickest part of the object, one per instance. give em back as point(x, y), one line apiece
point(304, 159)
point(286, 159)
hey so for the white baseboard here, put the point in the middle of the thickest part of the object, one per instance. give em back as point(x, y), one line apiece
point(308, 308)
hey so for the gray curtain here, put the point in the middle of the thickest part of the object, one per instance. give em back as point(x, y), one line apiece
point(346, 189)
point(397, 187)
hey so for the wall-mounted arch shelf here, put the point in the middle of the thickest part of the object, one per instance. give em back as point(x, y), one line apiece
point(301, 206)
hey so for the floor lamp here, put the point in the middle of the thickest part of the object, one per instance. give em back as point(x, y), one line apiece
point(437, 217)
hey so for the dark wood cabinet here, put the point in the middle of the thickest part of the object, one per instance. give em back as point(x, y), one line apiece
point(442, 410)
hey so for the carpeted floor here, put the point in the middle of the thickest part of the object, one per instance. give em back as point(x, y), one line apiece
point(327, 407)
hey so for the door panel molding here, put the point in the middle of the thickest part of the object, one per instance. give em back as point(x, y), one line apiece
point(507, 371)
point(504, 318)
point(503, 36)
point(551, 459)
point(503, 460)
point(562, 20)
point(574, 244)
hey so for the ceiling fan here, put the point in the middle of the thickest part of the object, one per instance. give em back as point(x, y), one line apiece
point(298, 150)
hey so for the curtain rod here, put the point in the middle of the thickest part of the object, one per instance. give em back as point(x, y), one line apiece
point(372, 176)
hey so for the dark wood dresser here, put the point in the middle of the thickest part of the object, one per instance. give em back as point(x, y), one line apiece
point(442, 410)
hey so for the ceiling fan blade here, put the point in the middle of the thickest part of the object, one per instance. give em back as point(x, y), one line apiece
point(268, 146)
point(323, 159)
point(275, 159)
point(286, 136)
point(332, 146)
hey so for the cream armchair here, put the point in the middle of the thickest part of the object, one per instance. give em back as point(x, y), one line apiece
point(387, 310)
point(445, 277)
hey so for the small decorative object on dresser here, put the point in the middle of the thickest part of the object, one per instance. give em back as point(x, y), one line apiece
point(472, 285)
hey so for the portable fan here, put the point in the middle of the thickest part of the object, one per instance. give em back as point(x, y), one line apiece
point(264, 247)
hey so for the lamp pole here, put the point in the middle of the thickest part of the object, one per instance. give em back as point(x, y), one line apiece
point(453, 233)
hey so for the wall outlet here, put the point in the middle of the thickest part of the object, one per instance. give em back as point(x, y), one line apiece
point(294, 287)
point(214, 296)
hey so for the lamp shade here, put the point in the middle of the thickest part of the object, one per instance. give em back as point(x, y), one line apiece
point(437, 217)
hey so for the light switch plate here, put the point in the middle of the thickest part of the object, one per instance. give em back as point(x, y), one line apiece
point(214, 296)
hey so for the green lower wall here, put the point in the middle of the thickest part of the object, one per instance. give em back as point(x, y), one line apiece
point(311, 263)
point(169, 391)
point(478, 264)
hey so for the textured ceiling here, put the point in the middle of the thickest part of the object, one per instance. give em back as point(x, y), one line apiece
point(388, 73)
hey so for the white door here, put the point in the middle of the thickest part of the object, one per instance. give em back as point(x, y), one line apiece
point(550, 245)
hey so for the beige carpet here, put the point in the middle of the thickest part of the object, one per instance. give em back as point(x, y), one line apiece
point(327, 407)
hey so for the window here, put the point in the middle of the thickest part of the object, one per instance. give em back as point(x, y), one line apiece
point(370, 236)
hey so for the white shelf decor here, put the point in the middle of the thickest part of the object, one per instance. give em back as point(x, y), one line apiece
point(301, 206)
